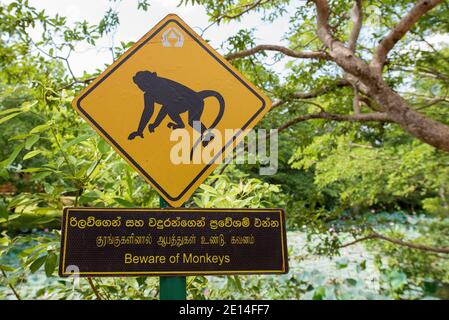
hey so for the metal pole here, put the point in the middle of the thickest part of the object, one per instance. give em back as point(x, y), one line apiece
point(171, 288)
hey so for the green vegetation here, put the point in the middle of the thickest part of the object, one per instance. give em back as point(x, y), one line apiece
point(363, 151)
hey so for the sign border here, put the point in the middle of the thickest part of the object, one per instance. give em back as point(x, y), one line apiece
point(129, 54)
point(62, 265)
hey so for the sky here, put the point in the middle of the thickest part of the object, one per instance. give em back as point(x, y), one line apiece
point(135, 23)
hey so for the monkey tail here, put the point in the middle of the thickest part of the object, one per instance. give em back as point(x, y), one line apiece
point(210, 93)
point(205, 94)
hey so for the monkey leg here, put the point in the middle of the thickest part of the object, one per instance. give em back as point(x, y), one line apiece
point(194, 120)
point(178, 123)
point(162, 113)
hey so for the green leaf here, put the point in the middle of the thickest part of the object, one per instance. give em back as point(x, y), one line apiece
point(50, 264)
point(28, 105)
point(77, 140)
point(397, 279)
point(6, 268)
point(124, 202)
point(103, 146)
point(31, 141)
point(41, 291)
point(8, 111)
point(4, 212)
point(129, 183)
point(41, 127)
point(342, 264)
point(19, 137)
point(92, 167)
point(319, 293)
point(361, 266)
point(37, 264)
point(9, 117)
point(31, 154)
point(238, 284)
point(351, 282)
point(7, 162)
point(209, 189)
point(30, 170)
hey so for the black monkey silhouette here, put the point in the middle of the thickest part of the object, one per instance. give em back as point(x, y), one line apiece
point(175, 99)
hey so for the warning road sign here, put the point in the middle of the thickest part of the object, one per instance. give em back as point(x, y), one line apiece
point(171, 80)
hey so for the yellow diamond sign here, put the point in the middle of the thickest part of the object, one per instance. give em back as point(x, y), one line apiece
point(169, 85)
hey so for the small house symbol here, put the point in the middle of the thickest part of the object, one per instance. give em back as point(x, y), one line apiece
point(172, 34)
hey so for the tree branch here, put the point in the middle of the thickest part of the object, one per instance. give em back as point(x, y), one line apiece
point(94, 289)
point(356, 101)
point(357, 18)
point(277, 103)
point(364, 117)
point(271, 47)
point(16, 294)
point(411, 245)
point(246, 8)
point(368, 237)
point(432, 102)
point(399, 31)
point(314, 93)
point(323, 90)
point(344, 57)
point(370, 104)
point(71, 84)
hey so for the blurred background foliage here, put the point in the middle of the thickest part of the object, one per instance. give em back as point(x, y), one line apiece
point(338, 181)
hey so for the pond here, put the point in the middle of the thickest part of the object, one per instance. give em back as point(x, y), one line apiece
point(352, 275)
